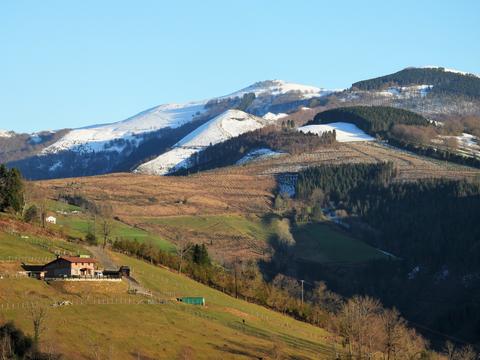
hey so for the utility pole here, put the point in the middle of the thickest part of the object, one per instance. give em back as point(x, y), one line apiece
point(235, 272)
point(302, 281)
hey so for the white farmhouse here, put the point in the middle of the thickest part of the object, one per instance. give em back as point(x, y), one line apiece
point(51, 220)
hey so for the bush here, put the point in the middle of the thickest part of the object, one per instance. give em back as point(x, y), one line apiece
point(91, 239)
point(14, 344)
point(31, 214)
point(11, 190)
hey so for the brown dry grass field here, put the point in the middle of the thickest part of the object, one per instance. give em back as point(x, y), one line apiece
point(224, 207)
point(134, 196)
point(236, 189)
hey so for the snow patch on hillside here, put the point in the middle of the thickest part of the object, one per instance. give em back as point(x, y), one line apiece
point(6, 134)
point(406, 91)
point(97, 138)
point(448, 70)
point(346, 132)
point(258, 154)
point(229, 124)
point(273, 117)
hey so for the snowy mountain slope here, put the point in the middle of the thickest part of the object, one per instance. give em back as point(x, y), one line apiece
point(229, 124)
point(346, 132)
point(280, 87)
point(97, 138)
point(6, 133)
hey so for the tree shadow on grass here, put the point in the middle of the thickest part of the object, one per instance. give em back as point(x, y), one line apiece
point(291, 341)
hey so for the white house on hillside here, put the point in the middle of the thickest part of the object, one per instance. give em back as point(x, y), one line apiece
point(51, 220)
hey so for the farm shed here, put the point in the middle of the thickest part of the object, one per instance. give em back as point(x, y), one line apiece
point(193, 300)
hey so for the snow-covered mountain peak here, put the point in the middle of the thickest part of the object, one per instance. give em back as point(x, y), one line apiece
point(280, 87)
point(229, 124)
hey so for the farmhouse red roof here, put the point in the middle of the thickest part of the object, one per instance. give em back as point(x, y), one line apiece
point(77, 259)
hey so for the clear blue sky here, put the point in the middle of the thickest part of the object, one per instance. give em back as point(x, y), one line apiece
point(76, 63)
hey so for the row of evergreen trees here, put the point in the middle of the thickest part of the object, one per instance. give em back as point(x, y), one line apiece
point(433, 222)
point(284, 140)
point(11, 190)
point(444, 82)
point(380, 121)
point(375, 120)
point(337, 181)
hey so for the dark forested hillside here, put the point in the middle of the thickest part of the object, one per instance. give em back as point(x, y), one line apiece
point(431, 222)
point(337, 181)
point(444, 82)
point(375, 120)
point(432, 228)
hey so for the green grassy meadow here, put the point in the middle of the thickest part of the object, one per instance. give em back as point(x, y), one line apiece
point(229, 225)
point(79, 224)
point(105, 322)
point(323, 243)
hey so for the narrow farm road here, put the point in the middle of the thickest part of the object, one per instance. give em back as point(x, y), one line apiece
point(106, 261)
point(103, 258)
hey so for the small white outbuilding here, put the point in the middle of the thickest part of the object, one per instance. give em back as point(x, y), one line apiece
point(51, 220)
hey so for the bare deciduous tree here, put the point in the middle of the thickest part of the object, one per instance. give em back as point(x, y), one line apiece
point(38, 316)
point(183, 247)
point(393, 326)
point(106, 223)
point(5, 348)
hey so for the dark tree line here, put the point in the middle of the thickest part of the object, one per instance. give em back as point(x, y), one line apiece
point(232, 150)
point(444, 82)
point(440, 154)
point(337, 181)
point(385, 122)
point(431, 226)
point(432, 222)
point(375, 120)
point(11, 190)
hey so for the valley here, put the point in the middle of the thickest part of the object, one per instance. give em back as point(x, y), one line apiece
point(286, 208)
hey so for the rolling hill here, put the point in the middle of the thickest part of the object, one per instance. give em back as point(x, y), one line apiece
point(124, 145)
point(149, 141)
point(229, 124)
point(105, 321)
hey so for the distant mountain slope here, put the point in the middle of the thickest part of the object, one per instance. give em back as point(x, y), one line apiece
point(99, 138)
point(229, 124)
point(14, 146)
point(443, 81)
point(124, 145)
